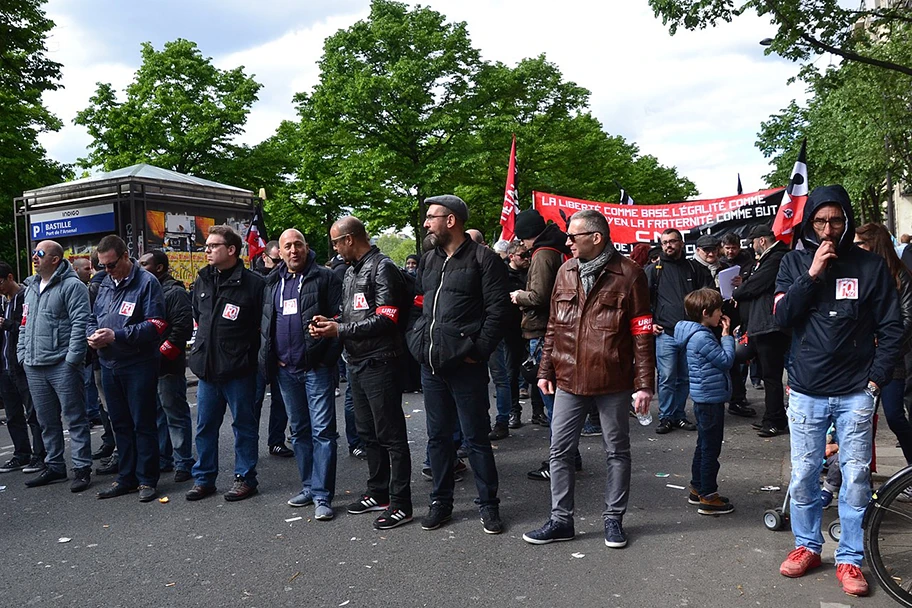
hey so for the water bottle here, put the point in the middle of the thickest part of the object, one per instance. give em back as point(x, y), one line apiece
point(644, 419)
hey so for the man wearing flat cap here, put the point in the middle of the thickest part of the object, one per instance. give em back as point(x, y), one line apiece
point(461, 291)
point(764, 336)
point(708, 254)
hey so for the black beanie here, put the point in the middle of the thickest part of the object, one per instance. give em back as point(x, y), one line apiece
point(529, 224)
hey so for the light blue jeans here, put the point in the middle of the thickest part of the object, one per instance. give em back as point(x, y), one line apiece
point(671, 361)
point(809, 419)
point(58, 390)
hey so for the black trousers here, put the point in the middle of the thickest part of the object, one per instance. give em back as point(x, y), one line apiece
point(377, 399)
point(20, 414)
point(771, 350)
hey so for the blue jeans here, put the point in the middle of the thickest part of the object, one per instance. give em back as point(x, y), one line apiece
point(278, 418)
point(454, 399)
point(133, 409)
point(671, 363)
point(58, 390)
point(175, 428)
point(499, 365)
point(891, 398)
point(310, 403)
point(704, 470)
point(548, 400)
point(809, 419)
point(211, 400)
point(91, 392)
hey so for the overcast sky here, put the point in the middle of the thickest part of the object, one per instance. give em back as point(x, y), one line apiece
point(694, 100)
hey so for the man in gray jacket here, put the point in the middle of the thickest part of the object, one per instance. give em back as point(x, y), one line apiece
point(52, 347)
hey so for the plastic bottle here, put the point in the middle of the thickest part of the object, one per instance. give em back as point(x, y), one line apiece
point(643, 419)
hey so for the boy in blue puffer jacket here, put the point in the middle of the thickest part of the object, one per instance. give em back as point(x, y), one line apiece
point(708, 364)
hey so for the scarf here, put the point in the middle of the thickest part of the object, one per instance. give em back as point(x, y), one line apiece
point(590, 270)
point(713, 268)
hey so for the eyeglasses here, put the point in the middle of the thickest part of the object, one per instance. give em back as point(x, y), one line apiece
point(339, 238)
point(574, 236)
point(431, 216)
point(37, 253)
point(211, 246)
point(671, 242)
point(834, 222)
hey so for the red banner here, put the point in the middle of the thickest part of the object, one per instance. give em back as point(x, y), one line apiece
point(645, 223)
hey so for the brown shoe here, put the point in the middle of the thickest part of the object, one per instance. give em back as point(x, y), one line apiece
point(199, 492)
point(240, 490)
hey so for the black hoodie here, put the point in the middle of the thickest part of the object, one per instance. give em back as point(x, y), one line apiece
point(838, 318)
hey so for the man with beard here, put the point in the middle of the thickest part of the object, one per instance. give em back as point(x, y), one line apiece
point(843, 308)
point(461, 290)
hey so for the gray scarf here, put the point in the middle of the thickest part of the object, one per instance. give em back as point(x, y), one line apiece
point(590, 270)
point(713, 268)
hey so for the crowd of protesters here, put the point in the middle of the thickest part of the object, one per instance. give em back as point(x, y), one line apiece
point(588, 334)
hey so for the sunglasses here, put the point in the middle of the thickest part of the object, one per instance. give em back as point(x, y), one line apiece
point(576, 235)
point(37, 253)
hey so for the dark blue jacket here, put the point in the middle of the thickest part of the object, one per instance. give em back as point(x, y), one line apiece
point(135, 310)
point(320, 294)
point(838, 318)
point(708, 362)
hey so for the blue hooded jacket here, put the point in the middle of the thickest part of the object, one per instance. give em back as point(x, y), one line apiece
point(708, 362)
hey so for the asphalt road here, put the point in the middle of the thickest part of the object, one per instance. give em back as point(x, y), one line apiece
point(215, 554)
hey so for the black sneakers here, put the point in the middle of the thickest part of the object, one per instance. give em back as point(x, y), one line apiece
point(366, 504)
point(490, 519)
point(543, 473)
point(499, 431)
point(35, 465)
point(14, 464)
point(685, 424)
point(392, 518)
point(47, 476)
point(280, 450)
point(552, 531)
point(665, 426)
point(438, 514)
point(82, 479)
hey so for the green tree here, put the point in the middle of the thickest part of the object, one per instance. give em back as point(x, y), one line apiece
point(396, 246)
point(180, 113)
point(401, 86)
point(25, 75)
point(805, 28)
point(857, 125)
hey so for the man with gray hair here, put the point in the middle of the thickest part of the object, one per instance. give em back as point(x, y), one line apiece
point(598, 349)
point(51, 348)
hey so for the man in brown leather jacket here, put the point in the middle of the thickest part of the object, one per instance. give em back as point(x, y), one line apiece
point(598, 350)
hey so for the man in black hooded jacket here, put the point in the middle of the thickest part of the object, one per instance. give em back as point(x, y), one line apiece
point(843, 308)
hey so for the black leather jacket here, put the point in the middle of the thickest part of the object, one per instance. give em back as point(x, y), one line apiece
point(372, 302)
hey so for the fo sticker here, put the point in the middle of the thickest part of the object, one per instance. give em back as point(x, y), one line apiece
point(360, 302)
point(231, 312)
point(846, 289)
point(127, 308)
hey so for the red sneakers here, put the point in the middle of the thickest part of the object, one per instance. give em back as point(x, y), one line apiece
point(853, 581)
point(799, 562)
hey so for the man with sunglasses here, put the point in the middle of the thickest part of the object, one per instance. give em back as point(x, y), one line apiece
point(842, 306)
point(52, 348)
point(125, 328)
point(598, 349)
point(227, 305)
point(672, 277)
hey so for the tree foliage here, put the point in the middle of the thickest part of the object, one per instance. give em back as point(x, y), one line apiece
point(805, 28)
point(26, 74)
point(181, 113)
point(405, 109)
point(858, 125)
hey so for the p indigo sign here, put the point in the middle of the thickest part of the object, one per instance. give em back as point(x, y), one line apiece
point(72, 222)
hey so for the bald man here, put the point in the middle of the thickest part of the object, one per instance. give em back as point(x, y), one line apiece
point(52, 347)
point(298, 291)
point(227, 306)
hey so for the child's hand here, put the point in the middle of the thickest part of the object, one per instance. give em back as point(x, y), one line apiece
point(831, 448)
point(726, 326)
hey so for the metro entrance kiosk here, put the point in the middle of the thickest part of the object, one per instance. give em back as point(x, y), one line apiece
point(148, 207)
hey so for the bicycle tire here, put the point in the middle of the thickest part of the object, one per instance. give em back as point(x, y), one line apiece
point(891, 521)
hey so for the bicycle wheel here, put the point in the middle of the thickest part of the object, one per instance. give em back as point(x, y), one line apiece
point(888, 538)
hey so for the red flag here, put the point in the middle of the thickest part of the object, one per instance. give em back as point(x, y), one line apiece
point(790, 212)
point(255, 234)
point(508, 213)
